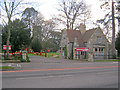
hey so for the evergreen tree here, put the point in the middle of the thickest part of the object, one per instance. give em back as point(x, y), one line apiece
point(117, 44)
point(20, 35)
point(36, 45)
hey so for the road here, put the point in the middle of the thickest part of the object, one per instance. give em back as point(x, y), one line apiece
point(55, 73)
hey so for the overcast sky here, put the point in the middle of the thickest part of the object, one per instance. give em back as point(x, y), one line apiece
point(48, 8)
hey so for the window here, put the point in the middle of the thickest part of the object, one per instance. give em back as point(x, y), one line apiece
point(95, 49)
point(98, 39)
point(82, 53)
point(99, 51)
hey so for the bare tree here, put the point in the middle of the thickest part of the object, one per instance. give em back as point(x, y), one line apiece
point(110, 16)
point(9, 7)
point(74, 12)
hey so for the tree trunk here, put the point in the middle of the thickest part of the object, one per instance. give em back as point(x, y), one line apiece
point(113, 31)
point(8, 40)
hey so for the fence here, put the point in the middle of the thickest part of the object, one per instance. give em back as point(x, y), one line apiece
point(85, 56)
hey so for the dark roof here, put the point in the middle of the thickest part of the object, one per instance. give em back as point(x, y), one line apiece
point(81, 38)
point(72, 34)
point(88, 34)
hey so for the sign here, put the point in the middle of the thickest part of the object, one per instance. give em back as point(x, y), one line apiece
point(82, 49)
point(25, 49)
point(49, 50)
point(5, 47)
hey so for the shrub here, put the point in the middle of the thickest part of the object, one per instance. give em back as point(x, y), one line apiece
point(36, 45)
point(19, 57)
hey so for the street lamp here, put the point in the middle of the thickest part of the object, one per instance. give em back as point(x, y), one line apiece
point(72, 49)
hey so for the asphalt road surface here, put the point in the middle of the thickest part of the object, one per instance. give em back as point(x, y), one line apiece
point(72, 74)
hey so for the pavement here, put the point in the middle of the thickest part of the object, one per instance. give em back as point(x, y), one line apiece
point(38, 62)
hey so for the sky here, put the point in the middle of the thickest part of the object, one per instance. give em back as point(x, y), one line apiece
point(48, 8)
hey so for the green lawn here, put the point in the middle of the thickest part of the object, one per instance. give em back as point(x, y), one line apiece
point(107, 60)
point(51, 54)
point(32, 54)
point(6, 67)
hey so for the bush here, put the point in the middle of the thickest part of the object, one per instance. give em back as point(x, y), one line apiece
point(16, 57)
point(19, 57)
point(36, 45)
point(23, 60)
point(28, 60)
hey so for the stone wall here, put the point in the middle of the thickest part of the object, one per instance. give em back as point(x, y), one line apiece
point(92, 42)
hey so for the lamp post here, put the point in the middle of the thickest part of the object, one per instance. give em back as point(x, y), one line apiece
point(72, 50)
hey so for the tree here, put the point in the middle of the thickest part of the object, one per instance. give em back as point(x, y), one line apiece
point(9, 7)
point(0, 41)
point(50, 38)
point(117, 43)
point(29, 16)
point(118, 11)
point(53, 41)
point(108, 17)
point(74, 12)
point(36, 45)
point(20, 35)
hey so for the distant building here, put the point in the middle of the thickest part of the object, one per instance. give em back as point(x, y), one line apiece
point(94, 39)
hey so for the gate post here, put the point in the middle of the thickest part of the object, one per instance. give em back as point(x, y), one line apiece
point(90, 57)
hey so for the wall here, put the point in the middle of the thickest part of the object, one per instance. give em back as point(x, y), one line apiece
point(92, 42)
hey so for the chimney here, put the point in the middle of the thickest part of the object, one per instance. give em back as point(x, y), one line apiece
point(82, 28)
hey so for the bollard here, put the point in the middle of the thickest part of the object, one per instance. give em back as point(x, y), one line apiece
point(40, 53)
point(45, 54)
point(24, 53)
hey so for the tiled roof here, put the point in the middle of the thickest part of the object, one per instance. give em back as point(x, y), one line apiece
point(88, 34)
point(72, 34)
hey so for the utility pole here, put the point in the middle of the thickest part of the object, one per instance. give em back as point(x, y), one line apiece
point(113, 30)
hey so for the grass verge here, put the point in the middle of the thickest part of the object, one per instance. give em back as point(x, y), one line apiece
point(107, 60)
point(6, 67)
point(51, 54)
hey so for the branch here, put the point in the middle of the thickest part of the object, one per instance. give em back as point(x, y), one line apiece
point(6, 9)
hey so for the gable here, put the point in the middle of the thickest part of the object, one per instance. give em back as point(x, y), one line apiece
point(99, 33)
point(88, 34)
point(64, 39)
point(72, 34)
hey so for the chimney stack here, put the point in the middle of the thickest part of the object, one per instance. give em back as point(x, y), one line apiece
point(82, 28)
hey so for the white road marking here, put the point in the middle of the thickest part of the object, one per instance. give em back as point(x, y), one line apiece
point(44, 77)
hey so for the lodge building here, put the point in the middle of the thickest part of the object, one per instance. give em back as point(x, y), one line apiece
point(81, 43)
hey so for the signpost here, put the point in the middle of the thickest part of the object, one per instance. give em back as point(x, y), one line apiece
point(5, 47)
point(82, 49)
